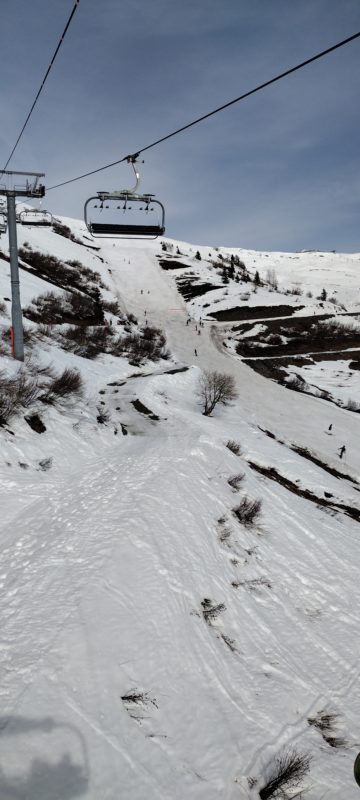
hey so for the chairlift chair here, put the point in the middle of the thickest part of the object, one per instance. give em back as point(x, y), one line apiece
point(139, 202)
point(38, 217)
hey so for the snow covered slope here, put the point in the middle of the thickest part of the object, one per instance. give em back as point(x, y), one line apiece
point(152, 646)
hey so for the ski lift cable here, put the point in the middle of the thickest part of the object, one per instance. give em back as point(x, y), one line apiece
point(76, 4)
point(215, 111)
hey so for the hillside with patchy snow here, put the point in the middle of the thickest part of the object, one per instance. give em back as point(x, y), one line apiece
point(157, 640)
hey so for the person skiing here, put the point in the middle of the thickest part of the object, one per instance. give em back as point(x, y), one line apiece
point(330, 427)
point(342, 451)
point(195, 351)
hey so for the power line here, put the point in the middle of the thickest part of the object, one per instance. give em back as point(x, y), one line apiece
point(216, 110)
point(42, 84)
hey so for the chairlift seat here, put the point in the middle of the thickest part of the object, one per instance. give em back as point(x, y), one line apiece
point(35, 217)
point(107, 229)
point(38, 222)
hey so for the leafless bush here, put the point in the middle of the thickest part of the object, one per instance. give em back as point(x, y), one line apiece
point(248, 511)
point(273, 338)
point(87, 341)
point(215, 388)
point(45, 464)
point(236, 480)
point(326, 723)
point(64, 230)
point(86, 272)
point(16, 393)
point(224, 535)
point(336, 327)
point(103, 416)
point(235, 447)
point(149, 344)
point(2, 307)
point(69, 382)
point(230, 643)
point(111, 306)
point(286, 773)
point(271, 279)
point(210, 610)
point(297, 384)
point(44, 331)
point(134, 697)
point(254, 584)
point(352, 405)
point(51, 308)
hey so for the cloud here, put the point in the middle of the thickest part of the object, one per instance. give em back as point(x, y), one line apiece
point(276, 169)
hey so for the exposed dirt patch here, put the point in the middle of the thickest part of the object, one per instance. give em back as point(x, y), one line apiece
point(257, 312)
point(35, 423)
point(306, 453)
point(175, 370)
point(304, 335)
point(170, 263)
point(274, 475)
point(189, 288)
point(143, 410)
point(355, 364)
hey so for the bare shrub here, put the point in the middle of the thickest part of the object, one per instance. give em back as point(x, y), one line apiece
point(64, 230)
point(16, 393)
point(112, 306)
point(51, 308)
point(336, 327)
point(326, 723)
point(273, 338)
point(44, 331)
point(149, 344)
point(69, 382)
point(254, 584)
point(45, 464)
point(87, 341)
point(286, 773)
point(236, 480)
point(134, 697)
point(235, 447)
point(215, 388)
point(210, 610)
point(297, 384)
point(2, 307)
point(271, 279)
point(86, 272)
point(248, 511)
point(224, 535)
point(352, 405)
point(230, 643)
point(103, 416)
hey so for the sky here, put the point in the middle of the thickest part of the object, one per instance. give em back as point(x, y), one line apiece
point(278, 171)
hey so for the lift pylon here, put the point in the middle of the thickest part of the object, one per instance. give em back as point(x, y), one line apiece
point(29, 187)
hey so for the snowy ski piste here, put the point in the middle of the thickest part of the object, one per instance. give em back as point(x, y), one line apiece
point(153, 645)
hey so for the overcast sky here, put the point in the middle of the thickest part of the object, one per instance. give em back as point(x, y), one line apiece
point(277, 171)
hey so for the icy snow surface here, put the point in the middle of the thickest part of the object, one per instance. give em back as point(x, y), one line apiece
point(107, 557)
